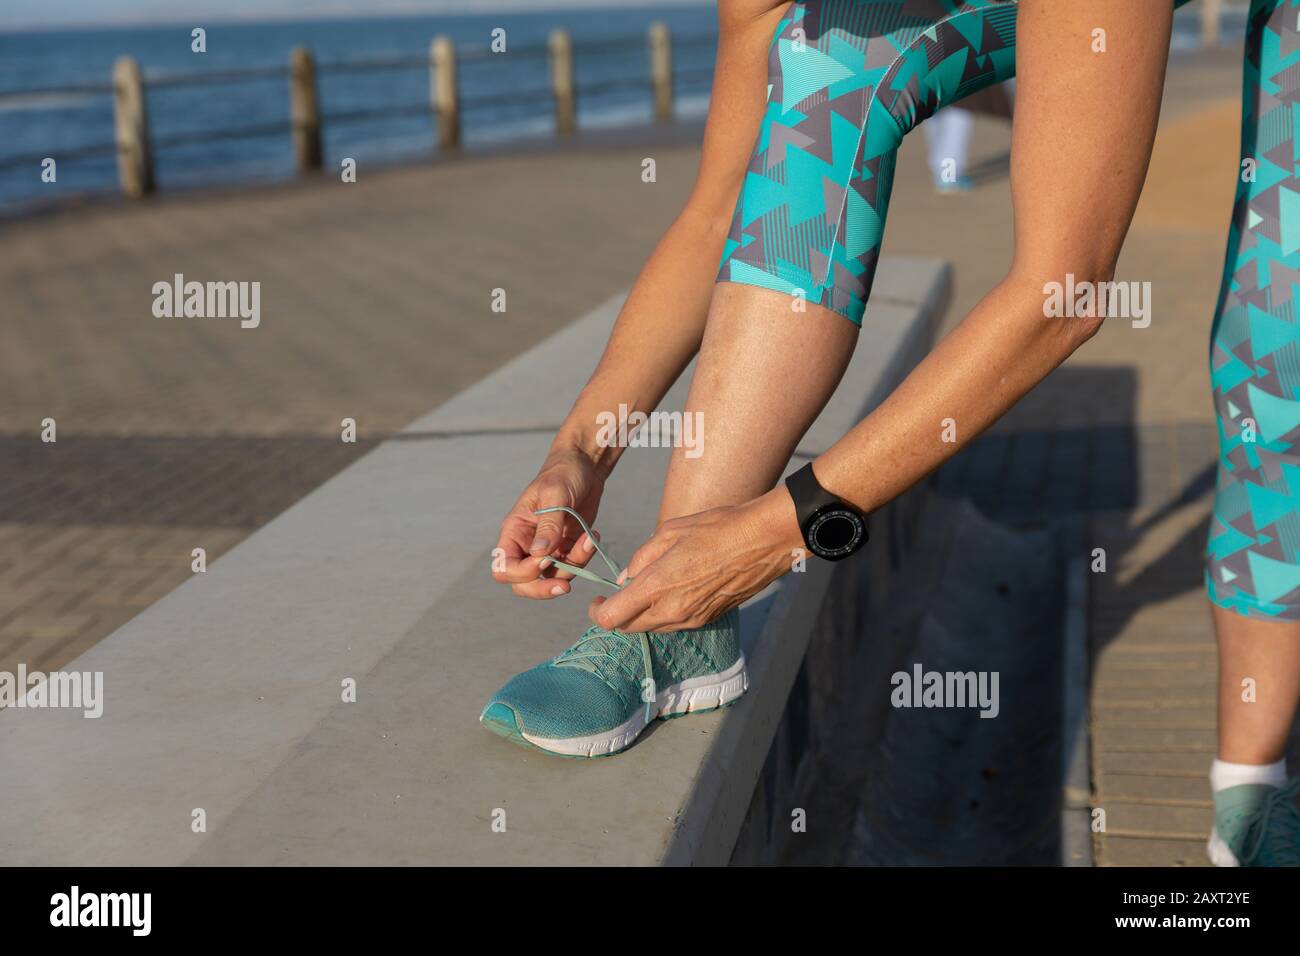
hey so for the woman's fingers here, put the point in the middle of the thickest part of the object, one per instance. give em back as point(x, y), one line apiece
point(533, 577)
point(542, 589)
point(531, 544)
point(578, 554)
point(641, 605)
point(616, 612)
point(648, 554)
point(511, 562)
point(550, 526)
point(641, 611)
point(539, 578)
point(510, 559)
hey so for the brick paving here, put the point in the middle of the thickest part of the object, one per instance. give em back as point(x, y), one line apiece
point(376, 305)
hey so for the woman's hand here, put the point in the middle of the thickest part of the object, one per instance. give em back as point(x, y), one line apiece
point(522, 555)
point(693, 569)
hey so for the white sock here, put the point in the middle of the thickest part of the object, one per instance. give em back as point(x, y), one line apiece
point(1224, 774)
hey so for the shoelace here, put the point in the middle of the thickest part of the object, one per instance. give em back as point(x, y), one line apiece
point(583, 572)
point(597, 635)
point(1275, 806)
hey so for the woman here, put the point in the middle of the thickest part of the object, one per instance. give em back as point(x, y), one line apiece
point(948, 135)
point(831, 87)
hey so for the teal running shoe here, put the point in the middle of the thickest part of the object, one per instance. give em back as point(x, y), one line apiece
point(1256, 825)
point(595, 698)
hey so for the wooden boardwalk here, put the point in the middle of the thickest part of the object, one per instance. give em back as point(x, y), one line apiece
point(1153, 688)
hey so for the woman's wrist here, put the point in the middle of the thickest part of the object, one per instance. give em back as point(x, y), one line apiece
point(585, 442)
point(778, 523)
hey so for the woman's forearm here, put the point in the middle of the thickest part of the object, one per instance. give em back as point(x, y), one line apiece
point(657, 333)
point(662, 322)
point(1077, 168)
point(1002, 349)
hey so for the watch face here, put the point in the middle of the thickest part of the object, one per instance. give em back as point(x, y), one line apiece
point(834, 533)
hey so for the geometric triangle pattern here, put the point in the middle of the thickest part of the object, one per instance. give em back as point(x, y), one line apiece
point(847, 80)
point(1253, 553)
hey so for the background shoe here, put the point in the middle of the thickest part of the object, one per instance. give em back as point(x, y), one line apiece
point(594, 699)
point(1256, 825)
point(962, 184)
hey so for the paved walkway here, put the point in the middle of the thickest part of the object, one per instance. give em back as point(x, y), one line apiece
point(175, 434)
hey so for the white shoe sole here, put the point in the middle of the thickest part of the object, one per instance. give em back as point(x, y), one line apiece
point(695, 694)
point(1220, 853)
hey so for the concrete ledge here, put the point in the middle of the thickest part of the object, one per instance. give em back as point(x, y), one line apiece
point(226, 695)
point(1076, 772)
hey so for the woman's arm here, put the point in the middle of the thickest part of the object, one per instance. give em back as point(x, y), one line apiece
point(1082, 136)
point(662, 322)
point(660, 326)
point(1081, 142)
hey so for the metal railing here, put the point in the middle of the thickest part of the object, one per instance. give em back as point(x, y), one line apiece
point(135, 145)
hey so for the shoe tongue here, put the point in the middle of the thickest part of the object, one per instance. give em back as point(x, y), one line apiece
point(582, 663)
point(605, 652)
point(588, 654)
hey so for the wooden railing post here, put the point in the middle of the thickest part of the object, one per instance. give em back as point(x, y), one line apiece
point(131, 129)
point(566, 110)
point(661, 71)
point(443, 92)
point(1211, 11)
point(304, 110)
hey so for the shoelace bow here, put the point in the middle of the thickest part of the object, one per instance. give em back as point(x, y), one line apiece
point(1280, 802)
point(597, 635)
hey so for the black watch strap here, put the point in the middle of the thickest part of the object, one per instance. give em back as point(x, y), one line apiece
point(808, 493)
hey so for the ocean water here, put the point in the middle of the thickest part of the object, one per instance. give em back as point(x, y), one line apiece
point(57, 124)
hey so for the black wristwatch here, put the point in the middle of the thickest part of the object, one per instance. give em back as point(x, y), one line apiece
point(832, 529)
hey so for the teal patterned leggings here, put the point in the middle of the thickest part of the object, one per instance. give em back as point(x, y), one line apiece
point(848, 79)
point(1253, 556)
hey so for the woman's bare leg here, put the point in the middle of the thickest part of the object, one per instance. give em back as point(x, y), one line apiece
point(764, 373)
point(1259, 686)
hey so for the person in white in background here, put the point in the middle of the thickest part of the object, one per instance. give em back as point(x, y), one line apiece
point(947, 138)
point(947, 141)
